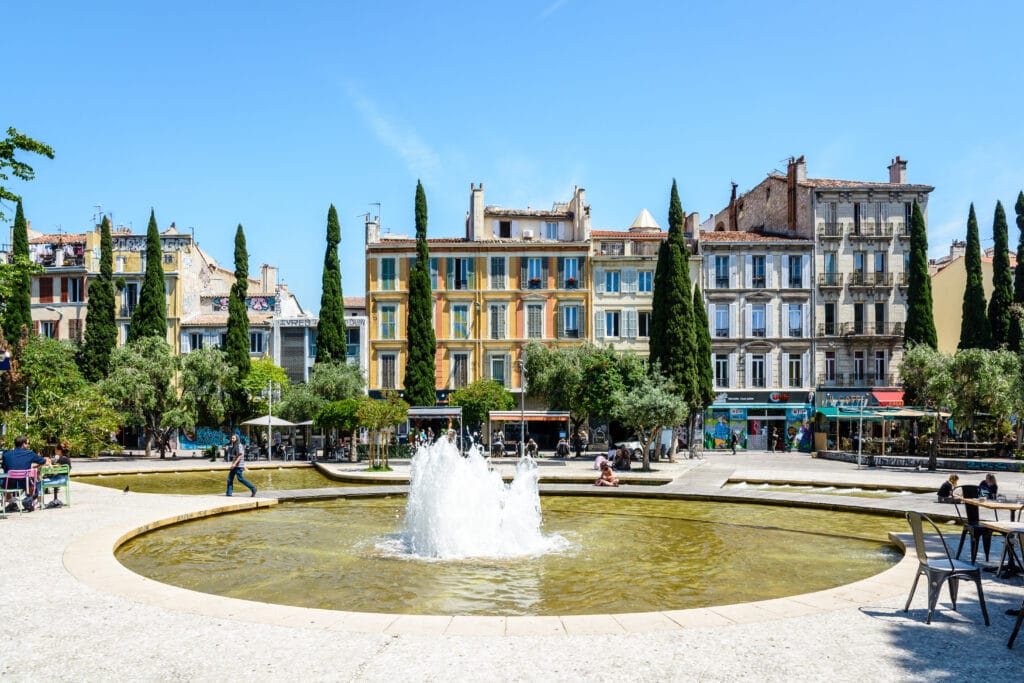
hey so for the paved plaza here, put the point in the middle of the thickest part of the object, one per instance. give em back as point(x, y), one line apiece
point(73, 613)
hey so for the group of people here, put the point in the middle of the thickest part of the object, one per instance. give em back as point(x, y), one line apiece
point(25, 492)
point(988, 488)
point(617, 459)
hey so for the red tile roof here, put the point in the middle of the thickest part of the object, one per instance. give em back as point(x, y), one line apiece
point(64, 238)
point(355, 302)
point(740, 236)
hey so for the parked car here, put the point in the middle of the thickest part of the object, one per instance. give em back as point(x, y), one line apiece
point(636, 450)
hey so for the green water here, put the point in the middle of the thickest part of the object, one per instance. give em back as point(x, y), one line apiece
point(823, 490)
point(214, 481)
point(627, 555)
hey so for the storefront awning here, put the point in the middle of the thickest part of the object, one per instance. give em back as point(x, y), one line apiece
point(888, 398)
point(756, 406)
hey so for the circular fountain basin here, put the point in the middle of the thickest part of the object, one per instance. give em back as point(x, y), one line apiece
point(198, 482)
point(621, 555)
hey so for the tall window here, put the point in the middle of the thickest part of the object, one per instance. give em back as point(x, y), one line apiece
point(830, 366)
point(496, 313)
point(388, 361)
point(758, 321)
point(550, 230)
point(571, 321)
point(859, 371)
point(433, 272)
point(571, 273)
point(856, 217)
point(75, 329)
point(611, 323)
point(879, 261)
point(387, 274)
point(504, 228)
point(757, 378)
point(831, 269)
point(796, 272)
point(644, 324)
point(195, 341)
point(387, 322)
point(48, 328)
point(460, 321)
point(757, 272)
point(859, 262)
point(880, 367)
point(45, 290)
point(352, 342)
point(534, 321)
point(858, 318)
point(721, 320)
point(796, 374)
point(76, 290)
point(497, 272)
point(459, 273)
point(721, 370)
point(830, 319)
point(880, 317)
point(533, 272)
point(256, 342)
point(119, 263)
point(498, 369)
point(222, 342)
point(611, 281)
point(796, 320)
point(721, 272)
point(645, 281)
point(460, 370)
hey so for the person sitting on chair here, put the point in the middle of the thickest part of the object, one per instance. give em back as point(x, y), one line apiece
point(21, 458)
point(562, 449)
point(988, 486)
point(946, 490)
point(607, 478)
point(55, 481)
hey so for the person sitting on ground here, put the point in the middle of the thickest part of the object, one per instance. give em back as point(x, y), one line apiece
point(55, 481)
point(21, 458)
point(946, 490)
point(607, 477)
point(531, 448)
point(599, 461)
point(562, 449)
point(622, 459)
point(988, 486)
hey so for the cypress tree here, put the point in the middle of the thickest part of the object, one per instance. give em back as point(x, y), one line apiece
point(150, 316)
point(1002, 281)
point(18, 313)
point(330, 331)
point(1018, 283)
point(100, 322)
point(238, 319)
point(920, 327)
point(702, 333)
point(672, 310)
point(975, 332)
point(420, 386)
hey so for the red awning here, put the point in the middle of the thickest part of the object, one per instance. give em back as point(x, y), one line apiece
point(888, 398)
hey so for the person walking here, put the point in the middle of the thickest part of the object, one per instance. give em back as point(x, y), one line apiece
point(237, 451)
point(773, 436)
point(732, 442)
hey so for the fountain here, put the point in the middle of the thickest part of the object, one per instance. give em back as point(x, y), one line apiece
point(459, 508)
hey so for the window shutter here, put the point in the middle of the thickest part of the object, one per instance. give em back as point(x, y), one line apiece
point(502, 316)
point(514, 228)
point(599, 323)
point(749, 325)
point(599, 281)
point(544, 272)
point(581, 274)
point(769, 320)
point(560, 322)
point(785, 271)
point(805, 369)
point(771, 266)
point(768, 360)
point(470, 278)
point(561, 272)
point(85, 289)
point(749, 369)
point(805, 320)
point(732, 320)
point(709, 273)
point(732, 370)
point(710, 312)
point(523, 281)
point(805, 266)
point(749, 278)
point(449, 274)
point(64, 290)
point(630, 316)
point(629, 280)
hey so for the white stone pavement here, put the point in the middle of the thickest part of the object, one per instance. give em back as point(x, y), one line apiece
point(70, 612)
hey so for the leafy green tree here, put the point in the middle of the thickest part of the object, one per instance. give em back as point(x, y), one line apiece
point(100, 321)
point(381, 418)
point(480, 398)
point(1002, 280)
point(1018, 283)
point(705, 394)
point(975, 332)
point(207, 377)
point(81, 422)
point(341, 416)
point(928, 382)
point(328, 382)
point(141, 387)
point(420, 383)
point(920, 326)
point(330, 331)
point(262, 373)
point(18, 303)
point(673, 345)
point(647, 407)
point(150, 316)
point(9, 146)
point(47, 367)
point(237, 343)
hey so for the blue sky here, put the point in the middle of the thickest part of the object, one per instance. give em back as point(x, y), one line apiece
point(219, 113)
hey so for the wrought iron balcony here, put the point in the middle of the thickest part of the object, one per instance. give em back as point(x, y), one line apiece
point(826, 280)
point(870, 279)
point(722, 332)
point(901, 230)
point(871, 231)
point(830, 231)
point(828, 329)
point(876, 329)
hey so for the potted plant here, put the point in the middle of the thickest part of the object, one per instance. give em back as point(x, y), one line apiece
point(570, 282)
point(535, 282)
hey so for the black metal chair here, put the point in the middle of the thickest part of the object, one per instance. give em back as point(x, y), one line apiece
point(971, 521)
point(940, 569)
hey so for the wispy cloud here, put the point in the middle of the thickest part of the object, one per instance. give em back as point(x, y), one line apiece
point(417, 155)
point(551, 9)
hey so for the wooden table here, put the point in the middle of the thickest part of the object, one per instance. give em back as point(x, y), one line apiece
point(995, 505)
point(1010, 530)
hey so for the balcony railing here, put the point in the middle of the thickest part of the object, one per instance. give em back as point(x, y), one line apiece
point(722, 332)
point(796, 282)
point(872, 231)
point(758, 332)
point(828, 329)
point(830, 280)
point(722, 282)
point(757, 381)
point(828, 379)
point(877, 329)
point(903, 280)
point(830, 231)
point(901, 230)
point(796, 331)
point(871, 279)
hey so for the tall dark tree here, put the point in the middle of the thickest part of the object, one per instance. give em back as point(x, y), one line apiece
point(420, 385)
point(702, 334)
point(920, 327)
point(672, 344)
point(237, 342)
point(975, 332)
point(1018, 283)
point(18, 312)
point(1002, 281)
point(150, 316)
point(100, 321)
point(330, 331)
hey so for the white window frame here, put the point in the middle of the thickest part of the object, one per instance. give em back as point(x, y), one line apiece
point(497, 281)
point(257, 341)
point(612, 282)
point(382, 364)
point(609, 317)
point(645, 281)
point(388, 284)
point(571, 269)
point(755, 310)
point(550, 230)
point(795, 361)
point(532, 333)
point(758, 360)
point(456, 308)
point(388, 321)
point(534, 270)
point(721, 362)
point(465, 356)
point(570, 311)
point(498, 358)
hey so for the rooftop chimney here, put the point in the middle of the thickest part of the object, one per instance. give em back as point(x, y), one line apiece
point(898, 171)
point(372, 229)
point(795, 173)
point(268, 278)
point(475, 224)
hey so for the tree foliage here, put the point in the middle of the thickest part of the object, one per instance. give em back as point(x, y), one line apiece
point(81, 422)
point(705, 394)
point(1002, 281)
point(150, 316)
point(262, 373)
point(420, 377)
point(237, 337)
point(328, 382)
point(330, 330)
point(1018, 283)
point(381, 418)
point(100, 321)
point(648, 406)
point(206, 381)
point(480, 398)
point(920, 326)
point(975, 332)
point(18, 281)
point(9, 165)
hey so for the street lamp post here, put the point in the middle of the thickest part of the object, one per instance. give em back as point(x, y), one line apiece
point(522, 405)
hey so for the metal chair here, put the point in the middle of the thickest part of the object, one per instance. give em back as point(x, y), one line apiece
point(940, 569)
point(55, 477)
point(16, 484)
point(971, 521)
